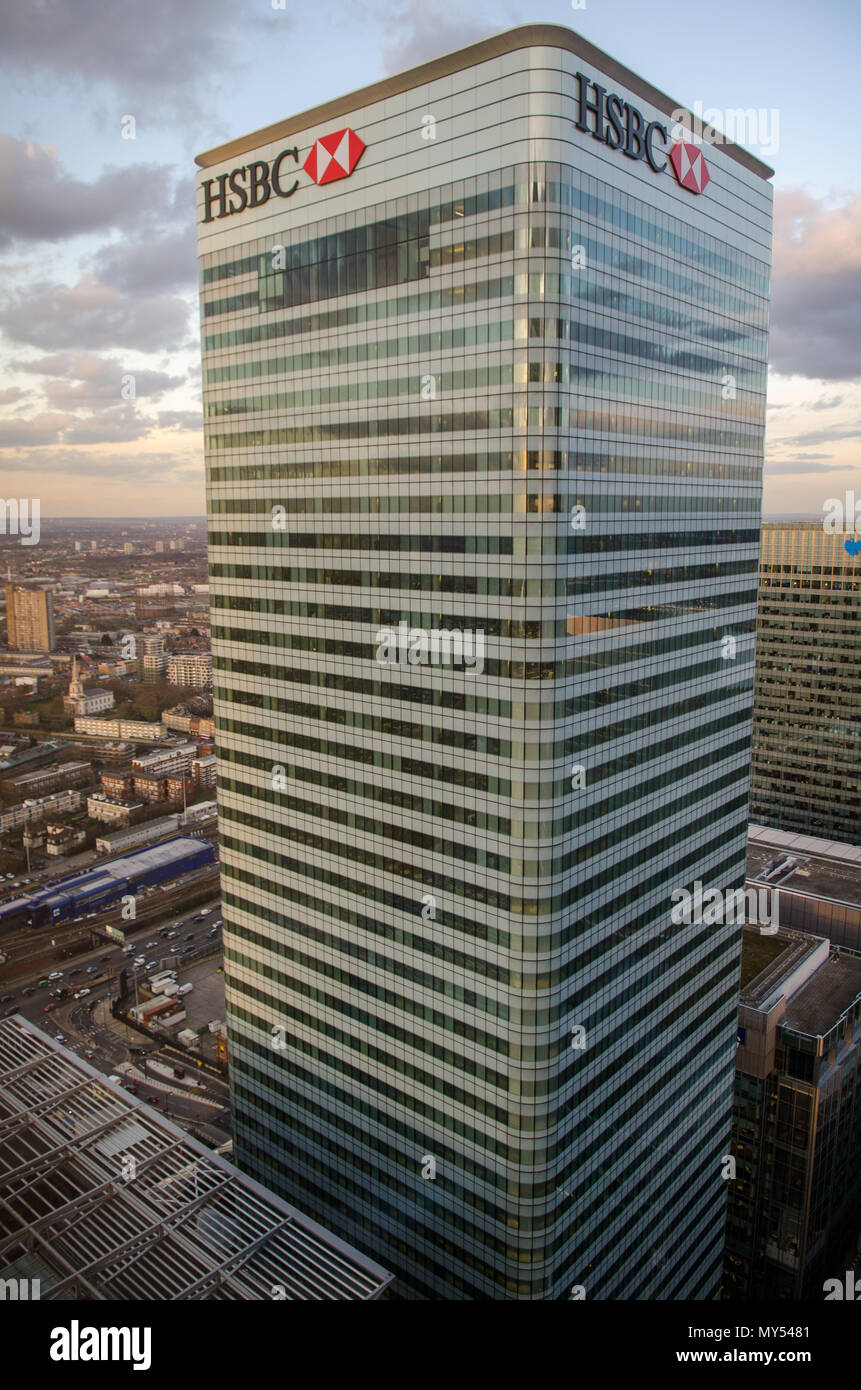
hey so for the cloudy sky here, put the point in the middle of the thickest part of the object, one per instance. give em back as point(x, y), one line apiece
point(97, 235)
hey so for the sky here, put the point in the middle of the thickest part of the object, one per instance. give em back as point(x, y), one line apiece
point(98, 271)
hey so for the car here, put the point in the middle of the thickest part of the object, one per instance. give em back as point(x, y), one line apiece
point(213, 931)
point(90, 1007)
point(206, 911)
point(7, 1013)
point(170, 934)
point(104, 957)
point(89, 1054)
point(43, 984)
point(10, 876)
point(189, 936)
point(217, 923)
point(198, 918)
point(185, 950)
point(81, 993)
point(149, 945)
point(29, 989)
point(49, 1008)
point(77, 970)
point(6, 998)
point(220, 970)
point(152, 965)
point(140, 960)
point(56, 975)
point(91, 914)
point(92, 970)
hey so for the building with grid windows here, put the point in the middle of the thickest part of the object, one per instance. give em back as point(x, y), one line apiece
point(795, 1201)
point(807, 708)
point(484, 355)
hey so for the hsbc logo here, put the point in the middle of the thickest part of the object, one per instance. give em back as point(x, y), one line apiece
point(620, 125)
point(332, 157)
point(689, 166)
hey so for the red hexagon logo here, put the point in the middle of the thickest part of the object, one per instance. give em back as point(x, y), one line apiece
point(689, 166)
point(334, 156)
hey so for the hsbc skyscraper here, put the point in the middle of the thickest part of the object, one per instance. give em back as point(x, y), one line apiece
point(484, 364)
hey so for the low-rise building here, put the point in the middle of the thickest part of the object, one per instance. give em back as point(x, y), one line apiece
point(40, 809)
point(52, 779)
point(112, 810)
point(120, 728)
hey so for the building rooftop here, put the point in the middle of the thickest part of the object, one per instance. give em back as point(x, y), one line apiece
point(526, 36)
point(822, 868)
point(103, 1198)
point(820, 1003)
point(778, 957)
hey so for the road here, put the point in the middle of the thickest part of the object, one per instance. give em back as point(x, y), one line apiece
point(83, 1025)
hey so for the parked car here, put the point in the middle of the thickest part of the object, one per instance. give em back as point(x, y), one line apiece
point(151, 964)
point(49, 1008)
point(140, 960)
point(170, 934)
point(149, 945)
point(81, 993)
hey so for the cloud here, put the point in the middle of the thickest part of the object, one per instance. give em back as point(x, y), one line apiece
point(151, 266)
point(95, 316)
point(426, 29)
point(800, 464)
point(86, 380)
point(39, 201)
point(162, 55)
point(816, 295)
point(180, 420)
point(147, 469)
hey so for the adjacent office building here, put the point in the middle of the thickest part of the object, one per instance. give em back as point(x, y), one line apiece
point(29, 619)
point(807, 710)
point(484, 354)
point(795, 1199)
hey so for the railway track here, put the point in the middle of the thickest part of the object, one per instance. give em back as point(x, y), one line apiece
point(26, 948)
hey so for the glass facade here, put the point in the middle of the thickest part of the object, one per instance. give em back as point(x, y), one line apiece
point(464, 1032)
point(807, 708)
